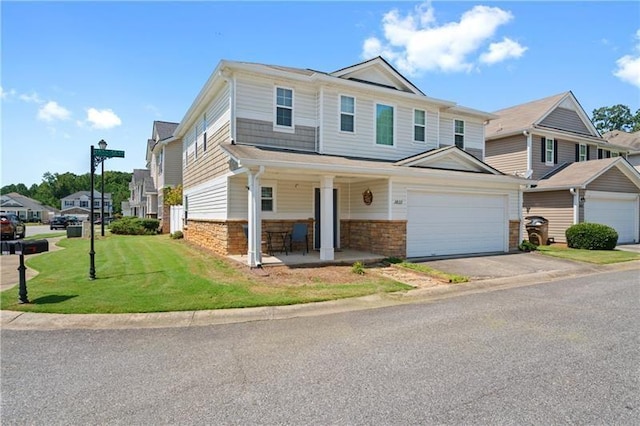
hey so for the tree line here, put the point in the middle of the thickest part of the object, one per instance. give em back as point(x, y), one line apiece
point(55, 186)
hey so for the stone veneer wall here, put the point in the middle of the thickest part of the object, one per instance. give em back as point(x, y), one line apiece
point(514, 235)
point(166, 219)
point(384, 237)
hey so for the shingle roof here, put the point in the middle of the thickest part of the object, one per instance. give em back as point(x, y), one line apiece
point(521, 117)
point(165, 129)
point(580, 173)
point(625, 139)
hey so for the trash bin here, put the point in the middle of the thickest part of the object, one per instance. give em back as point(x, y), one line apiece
point(74, 231)
point(538, 230)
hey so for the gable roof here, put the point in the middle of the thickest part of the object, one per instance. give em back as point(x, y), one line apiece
point(163, 129)
point(14, 199)
point(543, 114)
point(581, 174)
point(628, 140)
point(448, 158)
point(82, 194)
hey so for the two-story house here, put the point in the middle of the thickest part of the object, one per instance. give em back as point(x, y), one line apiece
point(360, 155)
point(140, 185)
point(628, 140)
point(164, 162)
point(79, 204)
point(577, 176)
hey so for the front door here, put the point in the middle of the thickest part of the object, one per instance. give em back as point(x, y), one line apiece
point(316, 243)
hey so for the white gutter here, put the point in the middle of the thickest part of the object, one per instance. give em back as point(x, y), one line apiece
point(576, 205)
point(529, 152)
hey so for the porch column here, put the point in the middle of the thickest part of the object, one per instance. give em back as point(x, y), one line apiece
point(326, 218)
point(254, 229)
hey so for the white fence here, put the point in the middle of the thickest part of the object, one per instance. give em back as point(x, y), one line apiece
point(177, 218)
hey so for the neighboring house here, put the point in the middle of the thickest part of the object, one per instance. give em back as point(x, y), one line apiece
point(26, 208)
point(631, 141)
point(164, 161)
point(361, 155)
point(79, 204)
point(580, 176)
point(140, 187)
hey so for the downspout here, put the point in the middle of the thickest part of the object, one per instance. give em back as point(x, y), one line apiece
point(527, 134)
point(254, 230)
point(576, 205)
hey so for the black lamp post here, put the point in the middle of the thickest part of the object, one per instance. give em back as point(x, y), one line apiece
point(97, 157)
point(103, 145)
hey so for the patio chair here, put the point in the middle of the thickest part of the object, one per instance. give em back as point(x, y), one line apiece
point(300, 234)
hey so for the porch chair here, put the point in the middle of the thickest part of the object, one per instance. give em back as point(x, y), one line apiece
point(245, 230)
point(299, 234)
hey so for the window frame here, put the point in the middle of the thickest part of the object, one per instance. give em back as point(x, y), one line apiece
point(582, 152)
point(417, 125)
point(342, 113)
point(273, 186)
point(393, 124)
point(549, 151)
point(457, 133)
point(276, 107)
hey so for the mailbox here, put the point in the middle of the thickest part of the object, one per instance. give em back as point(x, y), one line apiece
point(25, 247)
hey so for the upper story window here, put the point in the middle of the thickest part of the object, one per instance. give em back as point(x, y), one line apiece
point(195, 143)
point(284, 107)
point(419, 125)
point(267, 199)
point(583, 152)
point(347, 114)
point(615, 154)
point(68, 203)
point(83, 203)
point(458, 133)
point(603, 153)
point(204, 133)
point(384, 125)
point(549, 151)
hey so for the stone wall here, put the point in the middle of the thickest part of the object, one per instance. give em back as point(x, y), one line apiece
point(384, 237)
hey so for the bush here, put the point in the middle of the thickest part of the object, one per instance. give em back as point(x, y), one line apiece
point(177, 235)
point(527, 246)
point(591, 236)
point(358, 268)
point(135, 226)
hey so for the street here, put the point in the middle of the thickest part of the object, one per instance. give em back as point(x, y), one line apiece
point(561, 352)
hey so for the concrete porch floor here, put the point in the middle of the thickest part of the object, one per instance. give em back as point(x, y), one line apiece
point(343, 257)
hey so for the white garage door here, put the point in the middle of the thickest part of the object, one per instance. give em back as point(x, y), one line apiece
point(442, 224)
point(618, 210)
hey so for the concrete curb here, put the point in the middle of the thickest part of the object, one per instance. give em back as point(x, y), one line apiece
point(12, 320)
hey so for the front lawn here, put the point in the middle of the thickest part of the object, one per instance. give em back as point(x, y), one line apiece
point(158, 274)
point(592, 256)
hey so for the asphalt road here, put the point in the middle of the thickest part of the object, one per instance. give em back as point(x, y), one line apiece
point(562, 352)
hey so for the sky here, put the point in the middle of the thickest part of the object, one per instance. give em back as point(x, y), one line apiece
point(73, 73)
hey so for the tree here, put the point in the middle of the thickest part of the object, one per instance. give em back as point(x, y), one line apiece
point(617, 117)
point(173, 196)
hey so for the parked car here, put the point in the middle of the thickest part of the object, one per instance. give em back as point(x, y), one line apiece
point(58, 222)
point(107, 220)
point(73, 220)
point(12, 226)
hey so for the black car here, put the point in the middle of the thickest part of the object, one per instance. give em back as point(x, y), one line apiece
point(58, 222)
point(12, 226)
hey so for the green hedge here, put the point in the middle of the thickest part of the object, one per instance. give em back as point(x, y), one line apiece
point(135, 226)
point(591, 236)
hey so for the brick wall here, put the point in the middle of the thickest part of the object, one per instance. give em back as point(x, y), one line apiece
point(166, 219)
point(385, 237)
point(514, 235)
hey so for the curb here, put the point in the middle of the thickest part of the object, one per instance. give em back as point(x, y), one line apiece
point(13, 320)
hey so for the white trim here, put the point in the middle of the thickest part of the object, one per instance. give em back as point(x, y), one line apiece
point(459, 134)
point(621, 196)
point(375, 124)
point(273, 184)
point(340, 112)
point(546, 151)
point(424, 126)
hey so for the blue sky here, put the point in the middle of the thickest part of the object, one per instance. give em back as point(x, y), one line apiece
point(76, 72)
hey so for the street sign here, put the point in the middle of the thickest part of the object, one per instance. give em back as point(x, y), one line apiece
point(108, 153)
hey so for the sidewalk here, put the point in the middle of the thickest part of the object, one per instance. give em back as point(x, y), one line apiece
point(11, 320)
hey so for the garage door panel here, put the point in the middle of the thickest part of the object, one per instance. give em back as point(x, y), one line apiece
point(442, 224)
point(620, 214)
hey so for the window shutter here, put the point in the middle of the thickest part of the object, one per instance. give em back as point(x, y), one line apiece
point(555, 151)
point(599, 153)
point(544, 150)
point(577, 152)
point(588, 153)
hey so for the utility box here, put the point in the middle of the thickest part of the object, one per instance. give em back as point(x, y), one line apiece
point(538, 230)
point(74, 231)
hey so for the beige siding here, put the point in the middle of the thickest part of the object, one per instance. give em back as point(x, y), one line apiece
point(566, 154)
point(172, 164)
point(209, 164)
point(509, 155)
point(565, 119)
point(613, 180)
point(555, 206)
point(355, 208)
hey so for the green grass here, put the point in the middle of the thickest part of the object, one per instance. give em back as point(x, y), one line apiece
point(158, 274)
point(52, 234)
point(591, 256)
point(423, 269)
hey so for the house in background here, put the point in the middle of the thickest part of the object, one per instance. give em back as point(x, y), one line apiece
point(79, 204)
point(630, 141)
point(361, 156)
point(164, 161)
point(26, 208)
point(140, 186)
point(580, 176)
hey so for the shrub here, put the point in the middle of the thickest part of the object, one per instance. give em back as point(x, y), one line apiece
point(527, 246)
point(135, 226)
point(177, 235)
point(358, 268)
point(591, 236)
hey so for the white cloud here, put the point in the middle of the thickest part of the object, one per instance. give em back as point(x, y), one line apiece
point(499, 52)
point(629, 66)
point(52, 111)
point(102, 119)
point(31, 97)
point(416, 42)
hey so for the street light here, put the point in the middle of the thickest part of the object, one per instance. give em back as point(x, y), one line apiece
point(97, 157)
point(103, 145)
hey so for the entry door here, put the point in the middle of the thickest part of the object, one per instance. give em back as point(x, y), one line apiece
point(317, 238)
